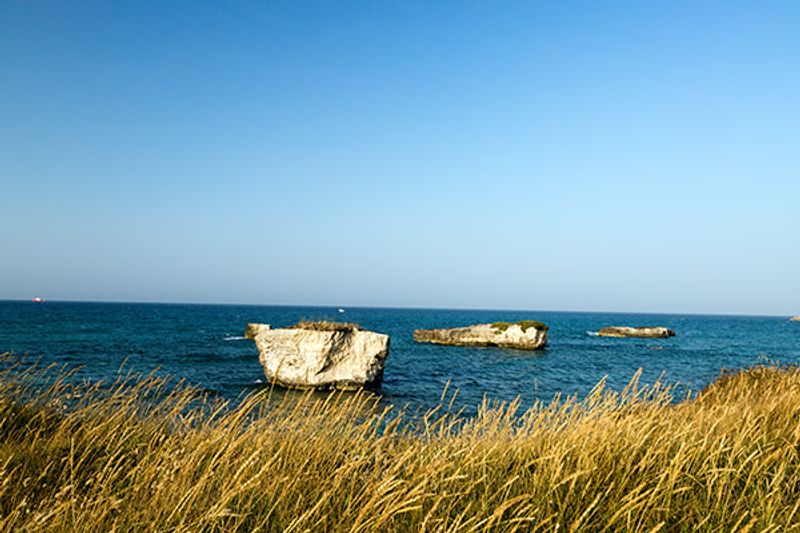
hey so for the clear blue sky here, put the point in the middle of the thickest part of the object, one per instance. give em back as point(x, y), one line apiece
point(623, 156)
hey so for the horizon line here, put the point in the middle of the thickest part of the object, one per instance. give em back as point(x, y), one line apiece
point(400, 307)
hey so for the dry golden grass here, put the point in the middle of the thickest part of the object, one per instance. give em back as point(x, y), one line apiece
point(142, 456)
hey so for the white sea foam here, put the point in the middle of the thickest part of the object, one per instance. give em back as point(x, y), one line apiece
point(592, 333)
point(234, 338)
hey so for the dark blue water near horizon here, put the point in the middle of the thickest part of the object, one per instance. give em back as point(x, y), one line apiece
point(205, 345)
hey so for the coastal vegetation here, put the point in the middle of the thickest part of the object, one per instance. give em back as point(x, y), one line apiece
point(324, 325)
point(144, 453)
point(524, 324)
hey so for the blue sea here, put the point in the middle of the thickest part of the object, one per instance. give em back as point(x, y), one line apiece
point(205, 345)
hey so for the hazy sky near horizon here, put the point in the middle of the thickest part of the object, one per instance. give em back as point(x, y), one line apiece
point(621, 156)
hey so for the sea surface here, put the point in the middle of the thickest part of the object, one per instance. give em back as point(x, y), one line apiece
point(205, 345)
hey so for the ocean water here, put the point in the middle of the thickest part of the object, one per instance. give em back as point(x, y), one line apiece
point(205, 345)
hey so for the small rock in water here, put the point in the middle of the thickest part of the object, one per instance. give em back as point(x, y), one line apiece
point(652, 332)
point(522, 335)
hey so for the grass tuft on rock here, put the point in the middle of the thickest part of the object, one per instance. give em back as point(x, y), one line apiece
point(324, 325)
point(524, 324)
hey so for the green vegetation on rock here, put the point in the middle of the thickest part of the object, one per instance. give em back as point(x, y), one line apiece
point(324, 325)
point(524, 324)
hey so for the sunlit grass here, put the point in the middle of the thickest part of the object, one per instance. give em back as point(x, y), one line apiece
point(142, 454)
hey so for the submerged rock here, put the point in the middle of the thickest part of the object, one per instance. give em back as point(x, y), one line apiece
point(647, 332)
point(523, 335)
point(320, 355)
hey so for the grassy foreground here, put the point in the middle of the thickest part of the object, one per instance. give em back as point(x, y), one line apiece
point(139, 457)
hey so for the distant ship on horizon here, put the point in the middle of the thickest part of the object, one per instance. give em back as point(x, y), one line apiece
point(37, 299)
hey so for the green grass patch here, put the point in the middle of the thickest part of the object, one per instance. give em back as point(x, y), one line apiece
point(324, 325)
point(524, 324)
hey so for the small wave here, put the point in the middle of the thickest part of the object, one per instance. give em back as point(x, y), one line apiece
point(234, 338)
point(593, 333)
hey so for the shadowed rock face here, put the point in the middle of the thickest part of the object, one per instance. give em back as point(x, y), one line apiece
point(506, 336)
point(304, 358)
point(647, 332)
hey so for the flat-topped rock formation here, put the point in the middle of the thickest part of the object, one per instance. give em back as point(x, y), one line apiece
point(320, 355)
point(795, 318)
point(523, 335)
point(646, 332)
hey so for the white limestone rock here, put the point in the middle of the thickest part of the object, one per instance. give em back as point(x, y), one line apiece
point(321, 355)
point(523, 335)
point(645, 332)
